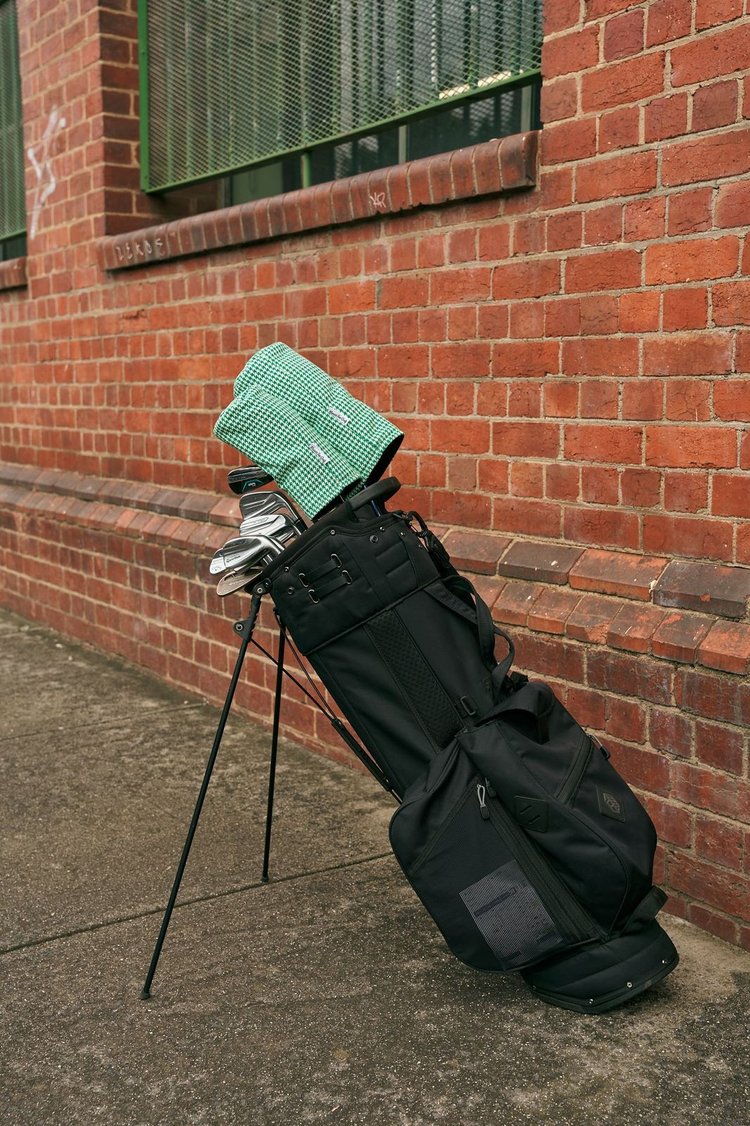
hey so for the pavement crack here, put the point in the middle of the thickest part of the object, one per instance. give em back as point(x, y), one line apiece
point(206, 897)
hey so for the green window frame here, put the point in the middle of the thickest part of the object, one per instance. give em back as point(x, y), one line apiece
point(12, 193)
point(292, 92)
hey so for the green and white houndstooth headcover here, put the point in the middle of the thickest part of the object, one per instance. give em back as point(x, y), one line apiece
point(366, 439)
point(315, 439)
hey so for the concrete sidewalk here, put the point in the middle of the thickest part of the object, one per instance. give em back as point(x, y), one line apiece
point(325, 996)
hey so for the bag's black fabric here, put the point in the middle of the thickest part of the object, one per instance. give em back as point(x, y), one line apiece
point(400, 640)
point(520, 838)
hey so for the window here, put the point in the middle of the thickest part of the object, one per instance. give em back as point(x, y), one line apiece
point(280, 94)
point(12, 199)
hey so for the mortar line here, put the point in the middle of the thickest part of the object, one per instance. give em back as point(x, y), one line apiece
point(207, 897)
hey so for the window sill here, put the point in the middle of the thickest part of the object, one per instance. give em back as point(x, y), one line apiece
point(13, 273)
point(504, 165)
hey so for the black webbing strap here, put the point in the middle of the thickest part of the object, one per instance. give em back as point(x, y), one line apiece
point(646, 911)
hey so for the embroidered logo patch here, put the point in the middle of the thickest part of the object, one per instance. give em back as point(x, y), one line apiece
point(609, 805)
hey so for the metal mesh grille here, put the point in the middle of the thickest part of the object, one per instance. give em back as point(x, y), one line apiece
point(231, 83)
point(12, 203)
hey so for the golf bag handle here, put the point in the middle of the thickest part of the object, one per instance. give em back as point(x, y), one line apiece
point(378, 493)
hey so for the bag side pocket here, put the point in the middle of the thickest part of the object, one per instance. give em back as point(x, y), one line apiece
point(491, 893)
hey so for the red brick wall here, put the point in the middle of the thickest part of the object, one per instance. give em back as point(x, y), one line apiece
point(565, 343)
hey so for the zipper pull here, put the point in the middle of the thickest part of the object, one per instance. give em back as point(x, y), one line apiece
point(491, 793)
point(481, 792)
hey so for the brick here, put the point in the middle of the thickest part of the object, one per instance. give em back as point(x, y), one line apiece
point(603, 443)
point(679, 636)
point(715, 105)
point(690, 536)
point(670, 731)
point(624, 35)
point(666, 117)
point(688, 447)
point(476, 551)
point(551, 610)
point(725, 154)
point(673, 824)
point(525, 439)
point(688, 400)
point(596, 271)
point(668, 20)
point(640, 488)
point(707, 587)
point(685, 309)
point(570, 52)
point(540, 562)
point(727, 647)
point(691, 260)
point(719, 746)
point(599, 485)
point(515, 601)
point(643, 399)
point(688, 354)
point(559, 98)
point(720, 888)
point(730, 496)
point(731, 303)
point(713, 696)
point(733, 203)
point(711, 56)
point(711, 13)
point(591, 618)
point(569, 140)
point(689, 213)
point(564, 15)
point(644, 219)
point(546, 655)
point(633, 627)
point(606, 528)
point(623, 83)
point(608, 177)
point(526, 279)
point(618, 573)
point(711, 790)
point(527, 517)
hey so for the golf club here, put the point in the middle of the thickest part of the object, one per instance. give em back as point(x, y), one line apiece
point(236, 580)
point(246, 478)
point(257, 504)
point(242, 551)
point(268, 526)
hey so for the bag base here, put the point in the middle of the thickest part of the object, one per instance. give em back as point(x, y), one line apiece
point(603, 975)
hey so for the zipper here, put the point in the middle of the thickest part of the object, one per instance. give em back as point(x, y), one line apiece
point(576, 772)
point(563, 905)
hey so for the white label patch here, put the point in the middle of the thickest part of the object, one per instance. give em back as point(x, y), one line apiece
point(339, 416)
point(320, 454)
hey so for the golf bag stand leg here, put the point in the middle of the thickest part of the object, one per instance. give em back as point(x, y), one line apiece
point(245, 630)
point(274, 752)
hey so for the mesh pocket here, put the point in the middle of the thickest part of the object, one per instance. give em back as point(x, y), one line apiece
point(510, 915)
point(425, 694)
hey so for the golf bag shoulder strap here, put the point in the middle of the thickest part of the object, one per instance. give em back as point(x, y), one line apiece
point(458, 594)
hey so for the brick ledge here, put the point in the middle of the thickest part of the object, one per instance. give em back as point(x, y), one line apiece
point(595, 597)
point(13, 274)
point(504, 165)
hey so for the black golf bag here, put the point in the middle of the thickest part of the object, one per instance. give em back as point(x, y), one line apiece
point(522, 841)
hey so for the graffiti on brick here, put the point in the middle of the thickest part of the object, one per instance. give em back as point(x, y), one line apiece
point(377, 199)
point(40, 157)
point(140, 249)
